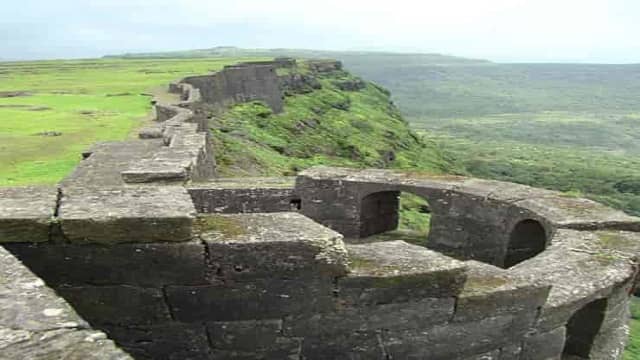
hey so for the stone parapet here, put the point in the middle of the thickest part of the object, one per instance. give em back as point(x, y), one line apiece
point(244, 195)
point(35, 323)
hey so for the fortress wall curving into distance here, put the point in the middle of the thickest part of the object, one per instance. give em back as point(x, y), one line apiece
point(240, 83)
point(173, 268)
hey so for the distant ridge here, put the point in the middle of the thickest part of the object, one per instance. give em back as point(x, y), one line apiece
point(232, 51)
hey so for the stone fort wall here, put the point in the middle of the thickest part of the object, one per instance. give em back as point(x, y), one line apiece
point(195, 267)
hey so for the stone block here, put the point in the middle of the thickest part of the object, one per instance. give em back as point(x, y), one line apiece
point(27, 213)
point(117, 305)
point(106, 160)
point(150, 132)
point(284, 348)
point(454, 341)
point(277, 245)
point(510, 352)
point(491, 291)
point(265, 299)
point(65, 344)
point(244, 195)
point(581, 214)
point(27, 304)
point(395, 271)
point(145, 265)
point(126, 214)
point(544, 346)
point(171, 341)
point(419, 314)
point(581, 267)
point(249, 335)
point(164, 166)
point(356, 345)
point(491, 355)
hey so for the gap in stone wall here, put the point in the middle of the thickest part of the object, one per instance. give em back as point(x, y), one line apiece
point(527, 239)
point(583, 327)
point(393, 215)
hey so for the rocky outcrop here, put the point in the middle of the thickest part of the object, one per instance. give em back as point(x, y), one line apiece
point(299, 84)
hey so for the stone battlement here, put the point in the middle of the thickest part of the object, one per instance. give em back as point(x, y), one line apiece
point(170, 262)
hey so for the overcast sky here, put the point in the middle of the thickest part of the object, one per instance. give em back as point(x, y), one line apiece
point(499, 30)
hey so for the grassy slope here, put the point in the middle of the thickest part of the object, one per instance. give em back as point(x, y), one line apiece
point(326, 126)
point(76, 99)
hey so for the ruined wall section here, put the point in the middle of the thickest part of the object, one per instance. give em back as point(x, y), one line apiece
point(140, 264)
point(589, 257)
point(240, 83)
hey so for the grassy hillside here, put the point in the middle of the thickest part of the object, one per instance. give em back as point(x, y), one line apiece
point(325, 126)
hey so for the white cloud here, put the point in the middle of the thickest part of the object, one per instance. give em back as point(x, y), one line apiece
point(499, 29)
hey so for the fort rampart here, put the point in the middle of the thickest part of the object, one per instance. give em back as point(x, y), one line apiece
point(170, 262)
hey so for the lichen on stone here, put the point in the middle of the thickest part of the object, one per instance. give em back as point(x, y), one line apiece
point(229, 227)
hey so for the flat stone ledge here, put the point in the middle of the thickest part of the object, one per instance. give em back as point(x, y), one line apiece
point(27, 304)
point(502, 191)
point(26, 213)
point(578, 213)
point(271, 245)
point(163, 167)
point(37, 324)
point(380, 176)
point(246, 183)
point(490, 290)
point(581, 267)
point(394, 267)
point(144, 265)
point(250, 195)
point(126, 214)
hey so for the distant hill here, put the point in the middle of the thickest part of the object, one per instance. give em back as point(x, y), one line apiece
point(348, 57)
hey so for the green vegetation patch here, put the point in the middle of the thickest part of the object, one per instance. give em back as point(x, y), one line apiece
point(482, 284)
point(633, 347)
point(327, 126)
point(227, 226)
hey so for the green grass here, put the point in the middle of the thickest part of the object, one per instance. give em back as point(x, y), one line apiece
point(85, 100)
point(633, 347)
point(413, 216)
point(488, 147)
point(327, 126)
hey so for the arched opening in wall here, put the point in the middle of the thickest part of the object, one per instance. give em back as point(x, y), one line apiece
point(582, 329)
point(527, 239)
point(395, 215)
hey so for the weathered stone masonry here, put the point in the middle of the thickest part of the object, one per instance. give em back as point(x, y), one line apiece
point(171, 263)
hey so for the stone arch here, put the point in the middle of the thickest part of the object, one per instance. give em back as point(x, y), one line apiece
point(380, 211)
point(527, 239)
point(583, 327)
